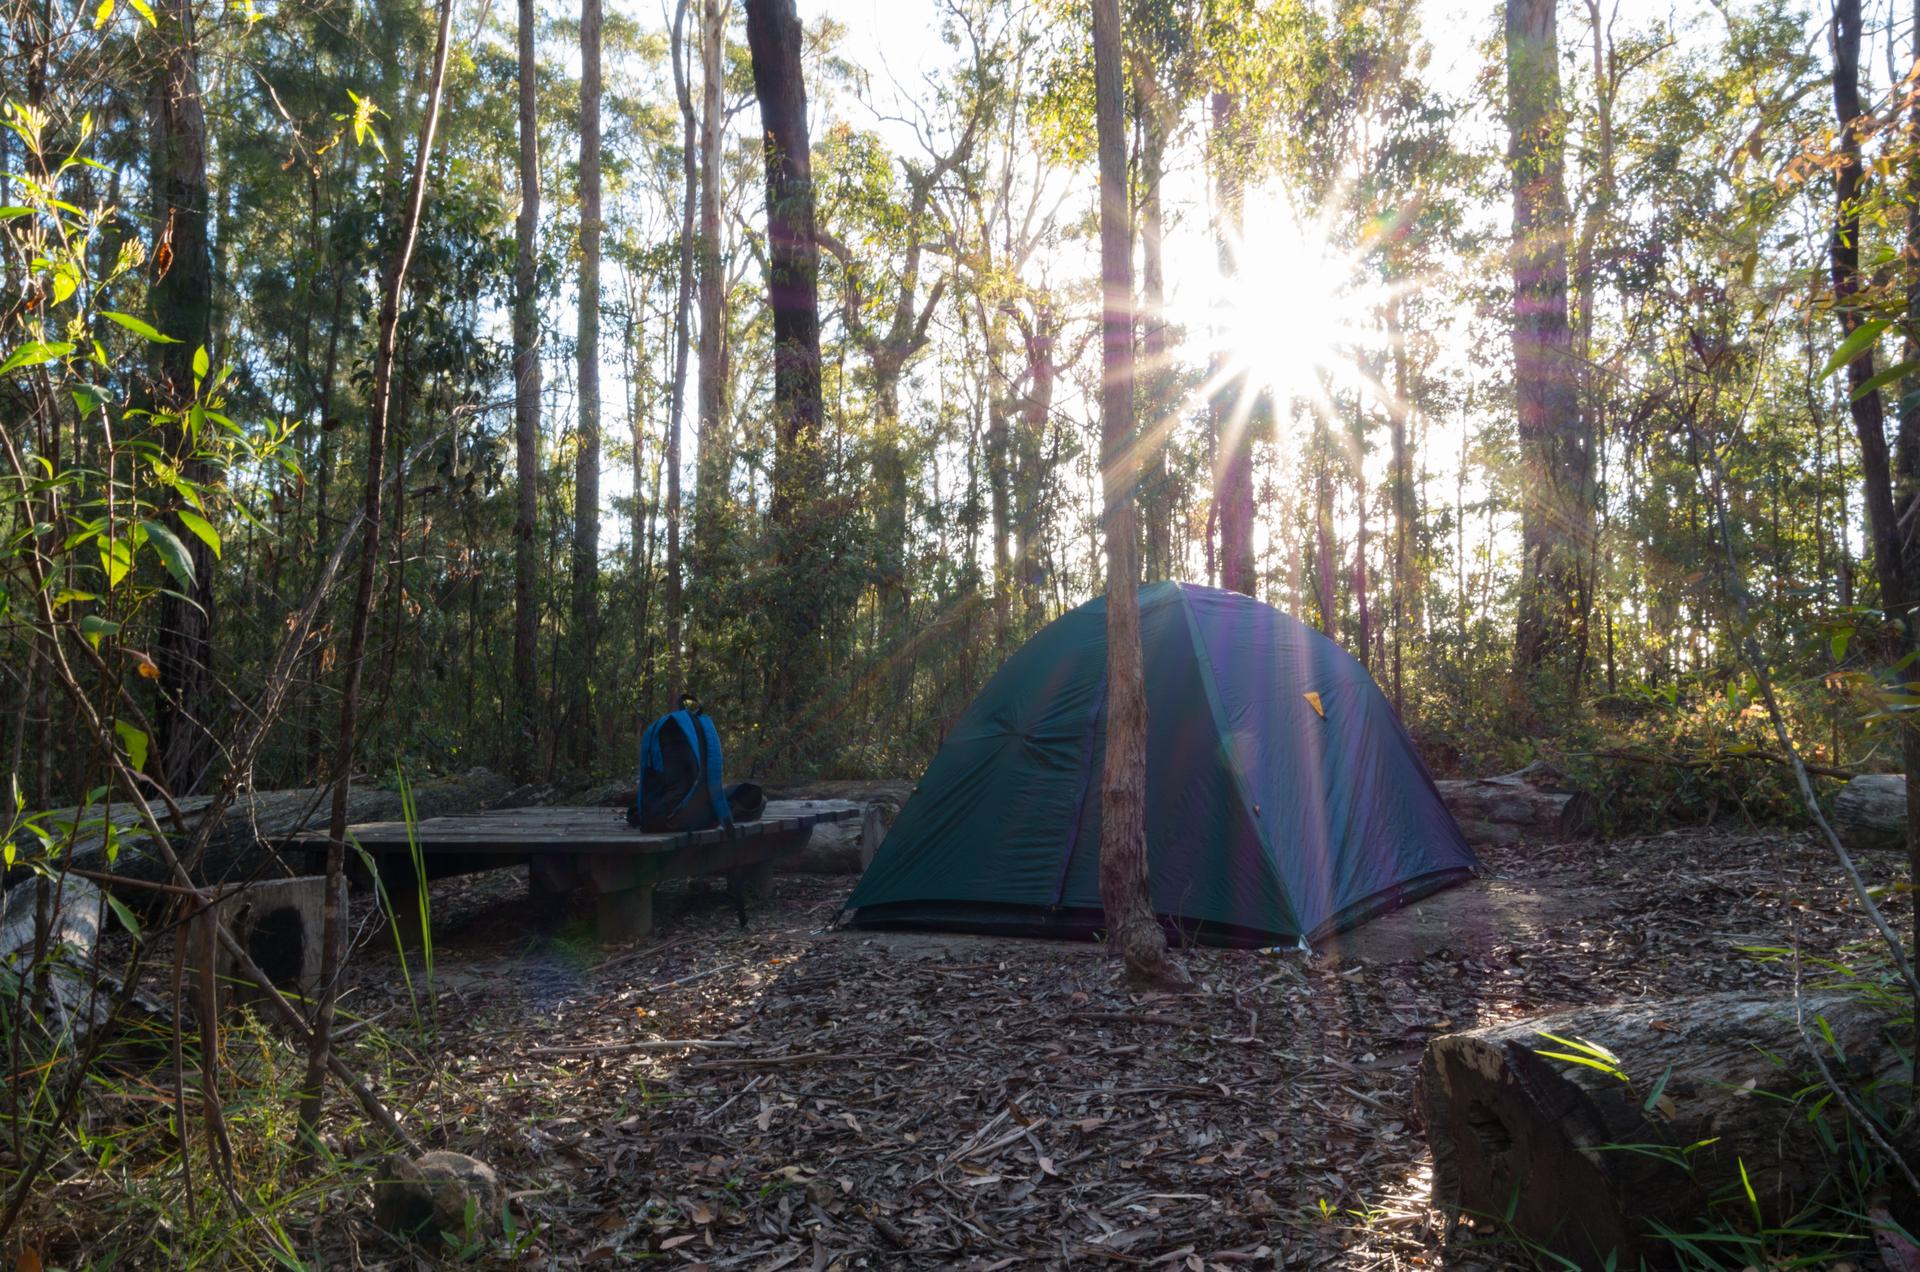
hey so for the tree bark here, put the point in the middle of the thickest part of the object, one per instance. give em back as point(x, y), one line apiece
point(182, 296)
point(1555, 513)
point(1871, 811)
point(774, 40)
point(1233, 444)
point(1528, 804)
point(586, 469)
point(394, 287)
point(1527, 1136)
point(683, 298)
point(1125, 892)
point(710, 459)
point(526, 412)
point(1158, 503)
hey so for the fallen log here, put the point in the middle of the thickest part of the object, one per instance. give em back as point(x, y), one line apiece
point(1871, 811)
point(1528, 804)
point(1583, 1151)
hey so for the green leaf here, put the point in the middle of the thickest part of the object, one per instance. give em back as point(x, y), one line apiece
point(1659, 1089)
point(116, 558)
point(66, 280)
point(138, 326)
point(1899, 371)
point(1839, 643)
point(1854, 345)
point(93, 627)
point(135, 741)
point(200, 363)
point(35, 352)
point(123, 914)
point(201, 527)
point(178, 561)
point(67, 595)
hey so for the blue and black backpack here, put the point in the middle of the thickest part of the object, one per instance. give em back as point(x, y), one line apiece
point(680, 776)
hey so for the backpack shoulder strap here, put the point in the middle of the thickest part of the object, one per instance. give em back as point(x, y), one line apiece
point(710, 748)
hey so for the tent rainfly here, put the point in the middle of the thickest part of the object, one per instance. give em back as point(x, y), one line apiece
point(1285, 800)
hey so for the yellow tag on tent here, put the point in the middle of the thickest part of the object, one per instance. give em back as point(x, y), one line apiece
point(1313, 700)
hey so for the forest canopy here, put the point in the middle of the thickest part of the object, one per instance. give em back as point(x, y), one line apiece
point(1457, 336)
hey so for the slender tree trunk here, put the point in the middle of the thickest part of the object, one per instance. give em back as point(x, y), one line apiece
point(1555, 517)
point(999, 464)
point(793, 284)
point(586, 470)
point(1158, 503)
point(394, 287)
point(1402, 478)
point(526, 413)
point(710, 477)
point(890, 518)
point(1125, 892)
point(182, 297)
point(1230, 407)
point(682, 308)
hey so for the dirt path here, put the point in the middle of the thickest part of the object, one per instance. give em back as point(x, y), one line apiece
point(891, 1100)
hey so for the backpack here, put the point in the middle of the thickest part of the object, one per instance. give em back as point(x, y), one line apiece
point(680, 766)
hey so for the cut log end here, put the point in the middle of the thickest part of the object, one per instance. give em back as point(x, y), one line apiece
point(1871, 811)
point(1584, 1159)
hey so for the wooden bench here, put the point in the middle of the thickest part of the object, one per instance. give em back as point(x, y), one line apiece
point(571, 850)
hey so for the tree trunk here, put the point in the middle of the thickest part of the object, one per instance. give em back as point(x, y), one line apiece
point(1401, 476)
point(526, 413)
point(683, 298)
point(1125, 893)
point(1555, 521)
point(394, 286)
point(182, 296)
point(793, 284)
point(1233, 445)
point(710, 459)
point(1704, 1089)
point(586, 469)
point(1158, 503)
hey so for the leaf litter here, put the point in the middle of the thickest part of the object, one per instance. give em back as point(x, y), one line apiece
point(791, 1096)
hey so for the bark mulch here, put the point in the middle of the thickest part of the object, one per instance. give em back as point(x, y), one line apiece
point(790, 1096)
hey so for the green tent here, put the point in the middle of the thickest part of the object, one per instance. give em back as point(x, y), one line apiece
point(1284, 797)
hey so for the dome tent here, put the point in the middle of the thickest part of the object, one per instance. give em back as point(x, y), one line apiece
point(1285, 800)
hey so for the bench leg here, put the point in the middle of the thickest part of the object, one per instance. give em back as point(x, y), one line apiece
point(753, 883)
point(625, 914)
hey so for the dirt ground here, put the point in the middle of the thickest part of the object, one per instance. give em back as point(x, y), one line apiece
point(793, 1096)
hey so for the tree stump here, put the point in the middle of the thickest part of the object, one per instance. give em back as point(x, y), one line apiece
point(1871, 811)
point(1537, 1140)
point(278, 922)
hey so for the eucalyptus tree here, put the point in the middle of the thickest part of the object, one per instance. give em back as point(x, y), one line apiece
point(1125, 892)
point(526, 403)
point(1556, 512)
point(586, 482)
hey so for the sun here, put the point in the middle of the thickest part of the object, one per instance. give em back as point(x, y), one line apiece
point(1299, 318)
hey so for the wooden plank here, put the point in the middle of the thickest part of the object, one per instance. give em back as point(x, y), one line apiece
point(516, 832)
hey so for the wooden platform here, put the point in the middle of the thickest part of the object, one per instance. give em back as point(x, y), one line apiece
point(573, 852)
